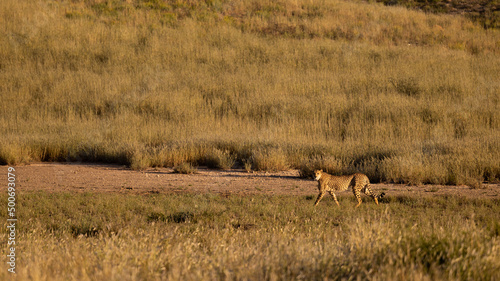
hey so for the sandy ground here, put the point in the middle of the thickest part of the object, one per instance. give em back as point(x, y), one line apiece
point(55, 177)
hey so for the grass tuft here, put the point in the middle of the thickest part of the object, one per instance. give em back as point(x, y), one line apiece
point(270, 159)
point(85, 230)
point(185, 168)
point(156, 216)
point(219, 159)
point(182, 217)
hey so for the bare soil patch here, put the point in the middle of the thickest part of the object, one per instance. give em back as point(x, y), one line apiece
point(57, 177)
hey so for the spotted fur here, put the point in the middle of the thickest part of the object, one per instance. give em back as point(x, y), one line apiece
point(358, 182)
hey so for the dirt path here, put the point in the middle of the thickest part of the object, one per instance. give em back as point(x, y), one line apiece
point(54, 177)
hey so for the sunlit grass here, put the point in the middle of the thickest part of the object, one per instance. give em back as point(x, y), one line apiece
point(102, 236)
point(400, 95)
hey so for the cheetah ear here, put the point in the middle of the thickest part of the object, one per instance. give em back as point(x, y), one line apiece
point(321, 170)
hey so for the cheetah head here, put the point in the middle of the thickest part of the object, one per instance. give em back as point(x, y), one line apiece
point(318, 174)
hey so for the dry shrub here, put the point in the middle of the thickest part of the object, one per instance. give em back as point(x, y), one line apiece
point(140, 160)
point(328, 164)
point(185, 168)
point(270, 159)
point(414, 169)
point(247, 165)
point(218, 159)
point(13, 154)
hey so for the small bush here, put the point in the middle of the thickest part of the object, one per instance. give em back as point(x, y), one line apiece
point(328, 164)
point(407, 86)
point(140, 161)
point(306, 170)
point(244, 226)
point(247, 165)
point(11, 154)
point(219, 159)
point(270, 159)
point(156, 216)
point(495, 229)
point(185, 168)
point(85, 229)
point(181, 217)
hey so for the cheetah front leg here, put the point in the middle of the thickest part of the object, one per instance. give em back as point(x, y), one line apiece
point(320, 195)
point(334, 197)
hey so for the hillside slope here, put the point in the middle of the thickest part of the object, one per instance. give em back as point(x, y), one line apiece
point(401, 95)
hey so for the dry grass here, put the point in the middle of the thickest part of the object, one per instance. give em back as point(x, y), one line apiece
point(185, 168)
point(91, 236)
point(400, 95)
point(485, 12)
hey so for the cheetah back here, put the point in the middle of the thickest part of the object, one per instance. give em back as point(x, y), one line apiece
point(337, 183)
point(342, 183)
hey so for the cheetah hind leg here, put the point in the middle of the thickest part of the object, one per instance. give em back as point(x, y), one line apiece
point(368, 191)
point(356, 190)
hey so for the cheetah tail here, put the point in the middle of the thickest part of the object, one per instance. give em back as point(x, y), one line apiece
point(381, 195)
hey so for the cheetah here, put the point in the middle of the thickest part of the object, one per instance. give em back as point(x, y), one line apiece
point(358, 182)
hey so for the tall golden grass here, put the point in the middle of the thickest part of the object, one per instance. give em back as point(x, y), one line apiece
point(89, 236)
point(400, 95)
